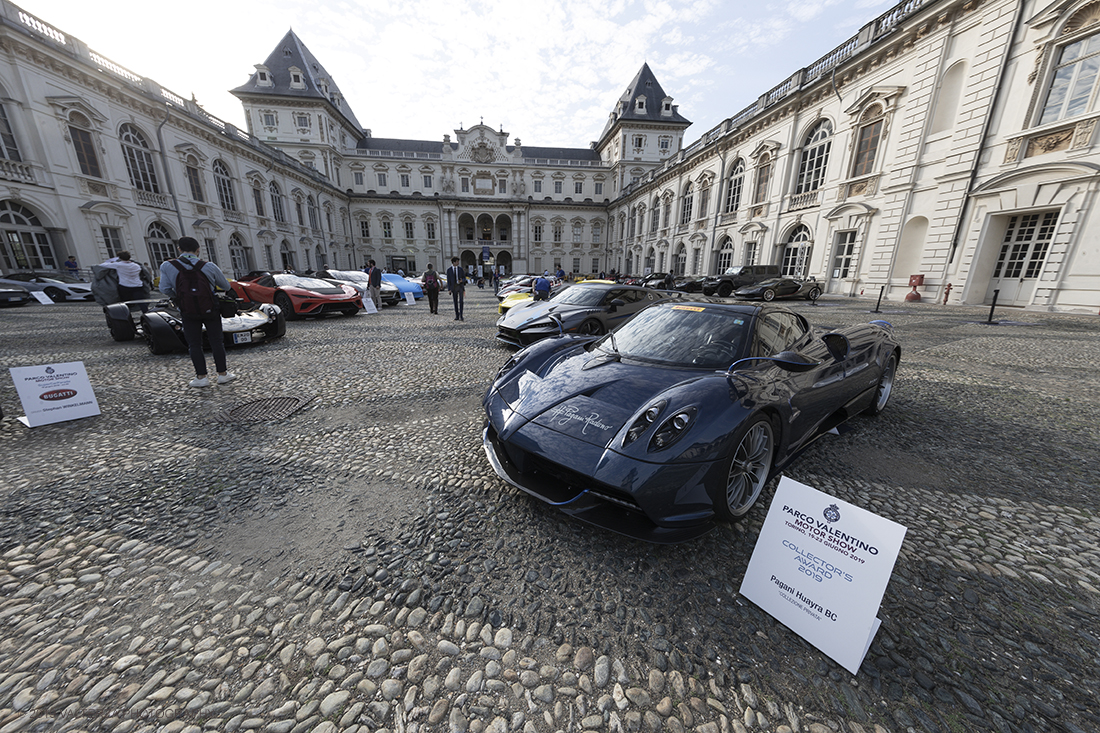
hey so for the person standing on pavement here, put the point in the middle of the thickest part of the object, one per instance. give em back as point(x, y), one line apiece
point(431, 288)
point(132, 277)
point(71, 267)
point(456, 285)
point(191, 282)
point(374, 275)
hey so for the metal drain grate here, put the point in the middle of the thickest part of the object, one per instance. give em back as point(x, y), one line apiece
point(265, 410)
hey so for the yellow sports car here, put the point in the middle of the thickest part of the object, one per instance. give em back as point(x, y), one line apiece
point(511, 300)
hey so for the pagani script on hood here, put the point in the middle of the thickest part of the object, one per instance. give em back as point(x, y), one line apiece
point(564, 415)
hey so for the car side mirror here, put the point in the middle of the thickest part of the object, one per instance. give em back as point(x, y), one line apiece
point(792, 361)
point(838, 345)
point(616, 304)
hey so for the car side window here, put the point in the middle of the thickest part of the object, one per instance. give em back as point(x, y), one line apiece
point(768, 339)
point(613, 295)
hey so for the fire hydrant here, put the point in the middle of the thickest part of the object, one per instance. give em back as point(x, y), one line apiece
point(946, 293)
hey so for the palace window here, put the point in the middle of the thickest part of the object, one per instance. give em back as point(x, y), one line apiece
point(867, 142)
point(404, 180)
point(381, 180)
point(763, 174)
point(536, 233)
point(223, 182)
point(427, 181)
point(686, 204)
point(734, 185)
point(358, 178)
point(277, 209)
point(194, 181)
point(557, 232)
point(8, 149)
point(139, 161)
point(815, 156)
point(557, 186)
point(537, 186)
point(1073, 84)
point(364, 229)
point(599, 188)
point(578, 187)
point(409, 234)
point(258, 200)
point(431, 229)
point(842, 256)
point(387, 230)
point(578, 234)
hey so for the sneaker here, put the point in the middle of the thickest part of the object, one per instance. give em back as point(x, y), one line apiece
point(200, 382)
point(226, 378)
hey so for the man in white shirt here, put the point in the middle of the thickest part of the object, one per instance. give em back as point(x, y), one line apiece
point(131, 286)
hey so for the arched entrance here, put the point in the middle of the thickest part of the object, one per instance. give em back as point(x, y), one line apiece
point(485, 227)
point(504, 262)
point(26, 243)
point(469, 259)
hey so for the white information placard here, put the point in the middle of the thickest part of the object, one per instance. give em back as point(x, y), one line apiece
point(820, 567)
point(410, 298)
point(54, 393)
point(42, 298)
point(368, 305)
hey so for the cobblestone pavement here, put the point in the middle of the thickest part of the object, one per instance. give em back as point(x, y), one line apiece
point(357, 566)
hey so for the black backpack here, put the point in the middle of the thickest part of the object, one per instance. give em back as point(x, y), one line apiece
point(194, 295)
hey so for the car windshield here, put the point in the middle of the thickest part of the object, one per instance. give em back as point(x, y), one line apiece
point(734, 270)
point(351, 275)
point(682, 335)
point(56, 279)
point(772, 281)
point(297, 281)
point(578, 295)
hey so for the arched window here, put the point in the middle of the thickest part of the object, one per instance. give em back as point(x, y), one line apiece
point(8, 147)
point(867, 141)
point(725, 256)
point(686, 204)
point(655, 217)
point(277, 209)
point(139, 161)
point(815, 156)
point(1072, 89)
point(322, 257)
point(26, 243)
point(223, 181)
point(194, 178)
point(796, 254)
point(311, 208)
point(632, 221)
point(735, 184)
point(81, 134)
point(287, 255)
point(680, 266)
point(159, 241)
point(240, 257)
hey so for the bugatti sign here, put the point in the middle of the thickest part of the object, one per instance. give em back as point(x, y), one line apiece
point(820, 567)
point(54, 393)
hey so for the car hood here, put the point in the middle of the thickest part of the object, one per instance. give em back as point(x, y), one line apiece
point(587, 396)
point(540, 309)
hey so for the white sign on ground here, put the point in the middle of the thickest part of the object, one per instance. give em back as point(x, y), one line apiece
point(820, 567)
point(42, 298)
point(368, 305)
point(410, 298)
point(54, 393)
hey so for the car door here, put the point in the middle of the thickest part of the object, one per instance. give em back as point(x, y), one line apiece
point(633, 301)
point(787, 288)
point(811, 395)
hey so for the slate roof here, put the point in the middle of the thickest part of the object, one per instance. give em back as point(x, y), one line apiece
point(560, 153)
point(644, 84)
point(292, 52)
point(405, 146)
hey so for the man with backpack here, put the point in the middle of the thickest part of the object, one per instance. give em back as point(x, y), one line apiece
point(190, 282)
point(431, 288)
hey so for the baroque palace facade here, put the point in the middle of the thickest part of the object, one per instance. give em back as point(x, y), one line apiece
point(950, 139)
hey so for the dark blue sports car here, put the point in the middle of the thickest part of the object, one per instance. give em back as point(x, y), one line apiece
point(680, 416)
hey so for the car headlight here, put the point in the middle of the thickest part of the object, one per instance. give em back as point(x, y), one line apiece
point(672, 428)
point(647, 418)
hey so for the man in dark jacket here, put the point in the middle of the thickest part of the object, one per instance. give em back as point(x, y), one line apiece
point(375, 285)
point(456, 285)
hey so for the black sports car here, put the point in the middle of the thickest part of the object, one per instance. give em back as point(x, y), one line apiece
point(586, 308)
point(781, 287)
point(159, 323)
point(680, 416)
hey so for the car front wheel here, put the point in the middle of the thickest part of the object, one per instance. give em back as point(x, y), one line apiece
point(814, 294)
point(591, 327)
point(724, 290)
point(283, 301)
point(749, 467)
point(55, 294)
point(769, 295)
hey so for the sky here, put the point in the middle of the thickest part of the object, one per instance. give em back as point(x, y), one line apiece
point(548, 73)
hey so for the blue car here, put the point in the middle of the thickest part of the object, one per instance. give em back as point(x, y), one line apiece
point(404, 284)
point(679, 417)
